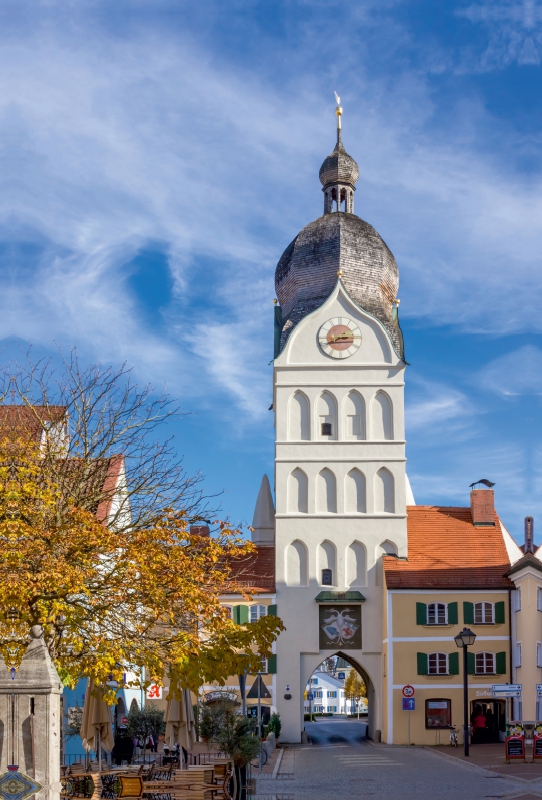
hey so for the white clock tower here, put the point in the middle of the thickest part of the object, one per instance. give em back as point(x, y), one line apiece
point(340, 481)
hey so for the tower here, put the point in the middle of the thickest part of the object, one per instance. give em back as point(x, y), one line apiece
point(340, 476)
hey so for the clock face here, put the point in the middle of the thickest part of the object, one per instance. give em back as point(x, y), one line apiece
point(339, 337)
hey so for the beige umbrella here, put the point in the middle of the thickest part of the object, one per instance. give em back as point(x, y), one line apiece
point(97, 724)
point(180, 723)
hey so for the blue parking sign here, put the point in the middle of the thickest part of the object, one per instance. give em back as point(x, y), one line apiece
point(409, 704)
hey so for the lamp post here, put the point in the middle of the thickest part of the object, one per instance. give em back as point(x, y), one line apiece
point(465, 639)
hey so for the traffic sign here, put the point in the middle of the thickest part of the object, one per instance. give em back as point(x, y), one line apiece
point(506, 689)
point(408, 691)
point(341, 676)
point(409, 704)
point(310, 696)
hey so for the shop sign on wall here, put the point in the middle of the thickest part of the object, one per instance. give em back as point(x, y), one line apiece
point(340, 626)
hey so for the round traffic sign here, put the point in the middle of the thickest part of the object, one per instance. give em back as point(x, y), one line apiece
point(408, 691)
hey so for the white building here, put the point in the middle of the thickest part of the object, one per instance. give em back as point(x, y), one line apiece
point(340, 481)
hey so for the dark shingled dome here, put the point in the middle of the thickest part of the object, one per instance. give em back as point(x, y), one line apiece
point(307, 271)
point(339, 167)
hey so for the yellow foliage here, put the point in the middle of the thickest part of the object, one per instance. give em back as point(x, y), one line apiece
point(116, 601)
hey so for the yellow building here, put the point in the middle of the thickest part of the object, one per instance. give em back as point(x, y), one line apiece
point(456, 575)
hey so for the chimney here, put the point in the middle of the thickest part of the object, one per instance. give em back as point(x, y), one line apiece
point(529, 535)
point(200, 530)
point(482, 507)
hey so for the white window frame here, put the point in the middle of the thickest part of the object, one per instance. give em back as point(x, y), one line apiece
point(230, 610)
point(518, 598)
point(332, 709)
point(539, 654)
point(441, 659)
point(434, 610)
point(539, 599)
point(257, 611)
point(319, 695)
point(483, 606)
point(332, 694)
point(488, 663)
point(518, 654)
point(318, 709)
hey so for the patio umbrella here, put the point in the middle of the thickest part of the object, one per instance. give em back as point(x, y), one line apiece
point(180, 723)
point(97, 724)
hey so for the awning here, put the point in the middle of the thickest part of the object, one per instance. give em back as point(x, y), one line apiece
point(340, 597)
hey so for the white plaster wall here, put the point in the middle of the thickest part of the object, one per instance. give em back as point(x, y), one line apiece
point(303, 366)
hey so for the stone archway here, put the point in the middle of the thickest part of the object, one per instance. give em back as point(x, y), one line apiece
point(310, 663)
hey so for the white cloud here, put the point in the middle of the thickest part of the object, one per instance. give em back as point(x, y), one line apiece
point(114, 141)
point(436, 403)
point(516, 373)
point(515, 32)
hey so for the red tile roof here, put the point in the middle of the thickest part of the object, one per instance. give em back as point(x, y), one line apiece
point(256, 571)
point(445, 550)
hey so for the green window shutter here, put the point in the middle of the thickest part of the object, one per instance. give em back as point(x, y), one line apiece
point(271, 611)
point(499, 612)
point(468, 613)
point(422, 662)
point(272, 664)
point(471, 664)
point(453, 663)
point(501, 661)
point(421, 617)
point(452, 614)
point(240, 615)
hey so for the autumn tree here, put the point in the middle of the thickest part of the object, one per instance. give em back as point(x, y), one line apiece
point(96, 542)
point(355, 688)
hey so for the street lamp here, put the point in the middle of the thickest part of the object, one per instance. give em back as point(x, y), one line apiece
point(465, 639)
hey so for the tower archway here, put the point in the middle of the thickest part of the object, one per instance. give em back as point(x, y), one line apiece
point(310, 666)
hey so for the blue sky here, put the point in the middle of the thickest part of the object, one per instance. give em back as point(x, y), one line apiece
point(157, 157)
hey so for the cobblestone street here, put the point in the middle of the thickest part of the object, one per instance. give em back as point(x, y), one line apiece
point(341, 765)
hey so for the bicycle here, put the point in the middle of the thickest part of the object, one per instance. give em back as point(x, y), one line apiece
point(453, 737)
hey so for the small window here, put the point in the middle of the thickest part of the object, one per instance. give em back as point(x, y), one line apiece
point(318, 695)
point(539, 654)
point(539, 599)
point(518, 599)
point(256, 612)
point(437, 614)
point(438, 713)
point(326, 429)
point(319, 709)
point(437, 664)
point(327, 577)
point(484, 613)
point(518, 654)
point(485, 664)
point(332, 694)
point(263, 667)
point(314, 681)
point(229, 609)
point(332, 709)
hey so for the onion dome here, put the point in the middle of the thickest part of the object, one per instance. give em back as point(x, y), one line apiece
point(339, 241)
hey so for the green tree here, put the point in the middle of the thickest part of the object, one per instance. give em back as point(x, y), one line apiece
point(143, 722)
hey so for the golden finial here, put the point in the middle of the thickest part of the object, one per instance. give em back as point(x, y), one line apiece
point(340, 273)
point(338, 110)
point(397, 301)
point(275, 301)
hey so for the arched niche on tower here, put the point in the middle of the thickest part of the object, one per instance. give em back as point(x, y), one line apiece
point(326, 418)
point(385, 548)
point(297, 564)
point(381, 417)
point(299, 425)
point(355, 492)
point(327, 564)
point(354, 416)
point(298, 492)
point(326, 492)
point(384, 492)
point(356, 565)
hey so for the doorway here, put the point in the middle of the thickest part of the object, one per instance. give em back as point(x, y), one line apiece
point(494, 713)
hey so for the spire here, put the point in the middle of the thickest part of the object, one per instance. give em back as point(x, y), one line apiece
point(264, 516)
point(338, 174)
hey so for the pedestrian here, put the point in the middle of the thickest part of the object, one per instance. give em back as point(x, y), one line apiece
point(479, 725)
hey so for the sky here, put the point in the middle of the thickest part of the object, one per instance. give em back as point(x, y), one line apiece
point(157, 157)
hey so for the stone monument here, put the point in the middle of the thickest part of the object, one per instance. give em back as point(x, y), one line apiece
point(30, 725)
